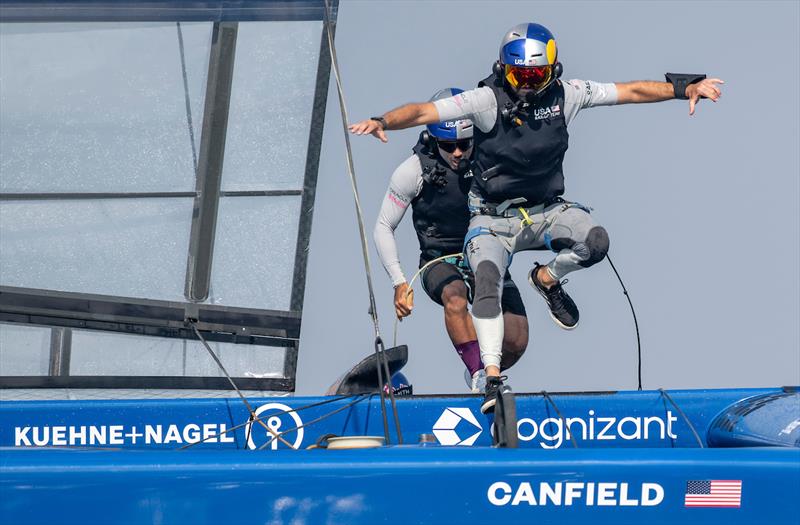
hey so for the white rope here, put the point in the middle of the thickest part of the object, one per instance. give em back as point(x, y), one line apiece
point(414, 278)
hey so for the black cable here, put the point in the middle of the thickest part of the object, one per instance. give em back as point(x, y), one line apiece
point(193, 324)
point(313, 421)
point(563, 421)
point(381, 383)
point(384, 362)
point(282, 412)
point(373, 311)
point(696, 435)
point(186, 96)
point(635, 322)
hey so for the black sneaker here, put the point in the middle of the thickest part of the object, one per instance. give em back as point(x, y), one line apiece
point(493, 384)
point(562, 308)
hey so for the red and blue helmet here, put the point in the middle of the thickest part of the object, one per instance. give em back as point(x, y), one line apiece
point(401, 386)
point(529, 55)
point(450, 130)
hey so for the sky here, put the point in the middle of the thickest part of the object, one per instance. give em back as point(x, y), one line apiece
point(703, 212)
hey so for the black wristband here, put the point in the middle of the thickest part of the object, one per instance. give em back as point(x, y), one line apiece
point(680, 81)
point(381, 120)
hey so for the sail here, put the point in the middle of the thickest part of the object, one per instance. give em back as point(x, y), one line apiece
point(158, 166)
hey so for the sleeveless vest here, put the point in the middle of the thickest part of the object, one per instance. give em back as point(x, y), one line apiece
point(440, 212)
point(513, 161)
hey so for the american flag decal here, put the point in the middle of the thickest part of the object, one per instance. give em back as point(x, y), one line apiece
point(714, 493)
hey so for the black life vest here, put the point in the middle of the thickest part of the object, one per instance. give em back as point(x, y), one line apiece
point(513, 161)
point(440, 212)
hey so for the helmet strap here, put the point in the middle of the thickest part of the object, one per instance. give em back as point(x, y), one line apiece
point(427, 139)
point(498, 69)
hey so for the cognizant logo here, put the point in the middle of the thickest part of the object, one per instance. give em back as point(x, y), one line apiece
point(445, 428)
point(553, 431)
point(458, 426)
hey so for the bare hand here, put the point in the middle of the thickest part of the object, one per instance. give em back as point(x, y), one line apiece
point(371, 127)
point(705, 88)
point(403, 300)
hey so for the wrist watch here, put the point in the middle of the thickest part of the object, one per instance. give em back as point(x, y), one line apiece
point(380, 120)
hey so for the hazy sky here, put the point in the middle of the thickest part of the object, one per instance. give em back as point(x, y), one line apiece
point(702, 212)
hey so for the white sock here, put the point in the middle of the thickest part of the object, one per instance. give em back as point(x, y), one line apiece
point(490, 337)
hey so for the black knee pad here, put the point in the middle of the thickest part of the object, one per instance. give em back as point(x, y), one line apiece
point(597, 242)
point(562, 243)
point(487, 283)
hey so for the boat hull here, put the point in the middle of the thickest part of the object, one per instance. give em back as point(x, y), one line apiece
point(608, 457)
point(401, 484)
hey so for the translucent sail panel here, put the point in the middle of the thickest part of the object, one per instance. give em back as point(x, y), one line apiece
point(24, 350)
point(101, 107)
point(124, 247)
point(254, 252)
point(271, 104)
point(99, 353)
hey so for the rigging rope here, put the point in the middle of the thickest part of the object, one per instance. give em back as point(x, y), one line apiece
point(635, 322)
point(373, 312)
point(563, 421)
point(193, 324)
point(691, 427)
point(249, 421)
point(361, 397)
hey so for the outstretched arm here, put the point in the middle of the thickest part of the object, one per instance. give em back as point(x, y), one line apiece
point(641, 91)
point(403, 117)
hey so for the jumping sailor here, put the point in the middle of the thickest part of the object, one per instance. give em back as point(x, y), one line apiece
point(435, 181)
point(521, 112)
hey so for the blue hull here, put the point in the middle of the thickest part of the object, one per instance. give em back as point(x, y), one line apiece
point(597, 420)
point(394, 485)
point(636, 458)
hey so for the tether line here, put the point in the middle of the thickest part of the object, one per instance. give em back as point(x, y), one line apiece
point(373, 311)
point(563, 421)
point(688, 422)
point(635, 322)
point(361, 397)
point(282, 412)
point(241, 396)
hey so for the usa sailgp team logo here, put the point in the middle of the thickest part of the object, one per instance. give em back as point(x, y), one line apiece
point(457, 426)
point(547, 112)
point(284, 428)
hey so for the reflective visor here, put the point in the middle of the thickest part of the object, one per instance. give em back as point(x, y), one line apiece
point(528, 77)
